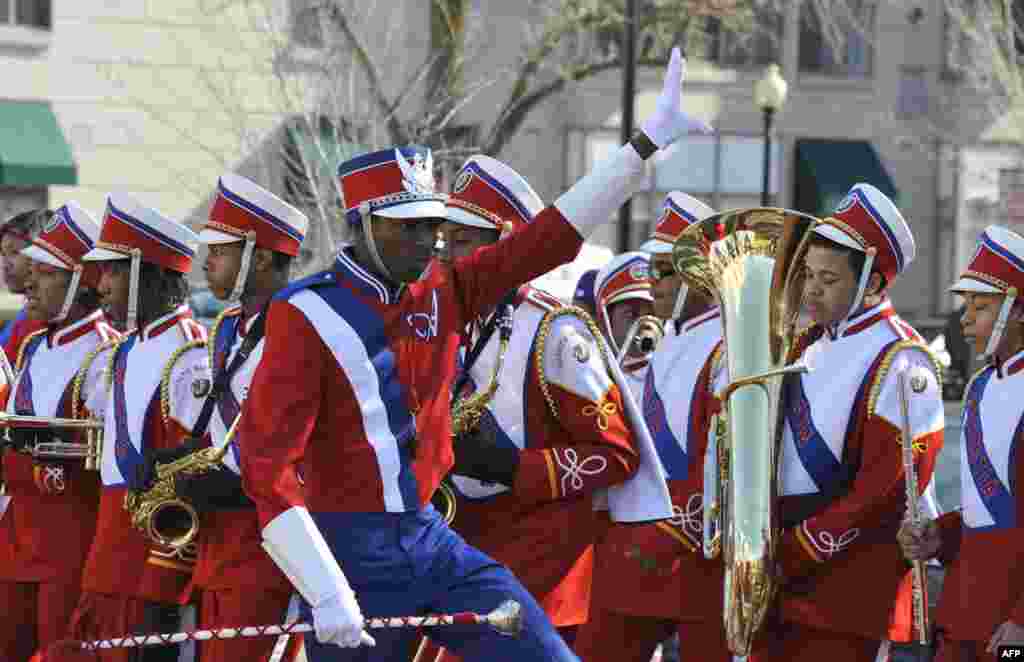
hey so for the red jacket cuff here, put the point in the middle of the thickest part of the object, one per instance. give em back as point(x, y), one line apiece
point(536, 479)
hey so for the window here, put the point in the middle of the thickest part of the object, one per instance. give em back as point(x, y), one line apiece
point(757, 46)
point(838, 44)
point(27, 13)
point(723, 170)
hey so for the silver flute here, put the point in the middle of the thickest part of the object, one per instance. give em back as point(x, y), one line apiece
point(918, 382)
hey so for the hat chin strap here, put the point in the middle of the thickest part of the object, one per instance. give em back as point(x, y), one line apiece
point(862, 286)
point(365, 216)
point(243, 269)
point(69, 298)
point(133, 291)
point(1000, 325)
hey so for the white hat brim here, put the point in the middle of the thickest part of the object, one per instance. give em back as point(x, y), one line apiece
point(965, 284)
point(656, 246)
point(833, 233)
point(413, 210)
point(37, 254)
point(642, 295)
point(463, 217)
point(209, 236)
point(103, 255)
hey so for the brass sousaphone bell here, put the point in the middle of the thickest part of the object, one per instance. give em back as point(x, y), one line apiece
point(749, 259)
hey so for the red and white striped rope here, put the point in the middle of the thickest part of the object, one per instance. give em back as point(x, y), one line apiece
point(505, 618)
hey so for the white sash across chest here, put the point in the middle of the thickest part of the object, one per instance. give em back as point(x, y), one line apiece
point(239, 387)
point(674, 370)
point(1000, 411)
point(144, 369)
point(51, 370)
point(839, 368)
point(507, 410)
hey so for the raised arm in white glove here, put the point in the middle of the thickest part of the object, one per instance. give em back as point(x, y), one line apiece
point(591, 201)
point(296, 545)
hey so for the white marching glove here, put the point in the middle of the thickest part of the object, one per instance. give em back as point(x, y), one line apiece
point(296, 545)
point(339, 621)
point(669, 121)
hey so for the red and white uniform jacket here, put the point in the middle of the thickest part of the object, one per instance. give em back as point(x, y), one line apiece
point(645, 570)
point(354, 370)
point(984, 584)
point(51, 519)
point(566, 417)
point(841, 473)
point(230, 555)
point(122, 560)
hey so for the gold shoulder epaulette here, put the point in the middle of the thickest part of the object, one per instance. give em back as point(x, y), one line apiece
point(165, 379)
point(889, 357)
point(215, 329)
point(83, 372)
point(19, 364)
point(544, 330)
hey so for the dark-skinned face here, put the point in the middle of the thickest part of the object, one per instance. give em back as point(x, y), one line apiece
point(405, 246)
point(462, 240)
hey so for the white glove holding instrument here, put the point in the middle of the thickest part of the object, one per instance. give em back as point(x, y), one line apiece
point(296, 545)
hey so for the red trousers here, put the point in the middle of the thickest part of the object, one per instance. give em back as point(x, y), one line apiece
point(34, 616)
point(791, 642)
point(963, 651)
point(238, 607)
point(102, 616)
point(613, 637)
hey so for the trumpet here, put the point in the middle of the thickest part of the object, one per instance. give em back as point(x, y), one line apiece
point(166, 518)
point(645, 334)
point(89, 452)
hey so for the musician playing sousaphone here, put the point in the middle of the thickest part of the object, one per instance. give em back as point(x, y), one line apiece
point(51, 518)
point(841, 472)
point(555, 430)
point(252, 237)
point(653, 580)
point(982, 601)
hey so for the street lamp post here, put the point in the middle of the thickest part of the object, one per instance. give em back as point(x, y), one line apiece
point(769, 95)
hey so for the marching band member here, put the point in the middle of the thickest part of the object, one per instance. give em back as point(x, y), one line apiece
point(982, 601)
point(15, 236)
point(252, 237)
point(840, 467)
point(356, 383)
point(46, 531)
point(556, 407)
point(583, 295)
point(130, 585)
point(622, 295)
point(651, 580)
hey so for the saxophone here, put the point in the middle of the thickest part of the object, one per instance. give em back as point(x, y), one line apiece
point(749, 260)
point(467, 411)
point(159, 512)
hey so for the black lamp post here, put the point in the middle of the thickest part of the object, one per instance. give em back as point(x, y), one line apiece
point(628, 92)
point(769, 95)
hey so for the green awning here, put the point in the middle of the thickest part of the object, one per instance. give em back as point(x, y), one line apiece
point(826, 169)
point(33, 150)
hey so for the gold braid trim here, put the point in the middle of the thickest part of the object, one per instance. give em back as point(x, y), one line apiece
point(83, 372)
point(542, 340)
point(211, 346)
point(890, 356)
point(19, 364)
point(970, 382)
point(165, 380)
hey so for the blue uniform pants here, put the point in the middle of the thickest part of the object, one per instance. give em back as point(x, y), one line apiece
point(402, 564)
